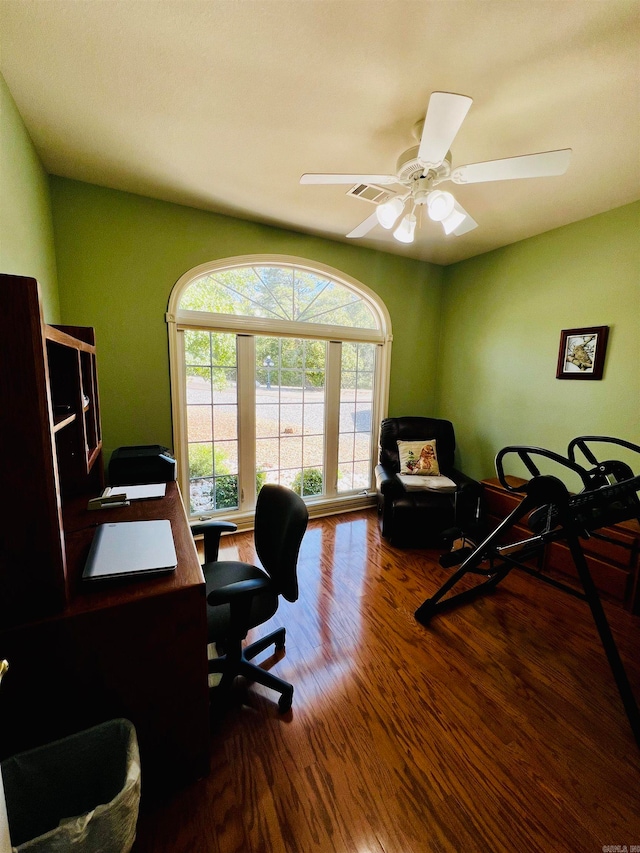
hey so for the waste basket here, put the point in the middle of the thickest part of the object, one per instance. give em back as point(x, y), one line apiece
point(78, 795)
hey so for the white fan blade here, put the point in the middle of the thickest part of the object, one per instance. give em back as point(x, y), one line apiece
point(445, 114)
point(311, 178)
point(364, 227)
point(468, 224)
point(542, 165)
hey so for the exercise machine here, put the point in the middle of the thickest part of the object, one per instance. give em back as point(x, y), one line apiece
point(609, 495)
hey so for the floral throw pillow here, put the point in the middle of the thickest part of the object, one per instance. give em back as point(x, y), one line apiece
point(418, 457)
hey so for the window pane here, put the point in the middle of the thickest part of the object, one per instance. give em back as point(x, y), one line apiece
point(197, 348)
point(200, 460)
point(291, 379)
point(310, 483)
point(210, 494)
point(345, 477)
point(226, 492)
point(290, 452)
point(293, 406)
point(291, 353)
point(199, 385)
point(345, 447)
point(266, 394)
point(355, 428)
point(202, 499)
point(361, 475)
point(276, 292)
point(225, 422)
point(313, 451)
point(224, 381)
point(199, 424)
point(212, 420)
point(365, 384)
point(267, 420)
point(315, 354)
point(363, 417)
point(366, 358)
point(347, 411)
point(313, 414)
point(267, 454)
point(290, 419)
point(314, 380)
point(292, 394)
point(362, 447)
point(225, 458)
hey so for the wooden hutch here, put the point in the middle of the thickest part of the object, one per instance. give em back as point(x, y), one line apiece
point(79, 656)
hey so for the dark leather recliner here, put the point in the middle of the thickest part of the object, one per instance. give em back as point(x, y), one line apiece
point(418, 518)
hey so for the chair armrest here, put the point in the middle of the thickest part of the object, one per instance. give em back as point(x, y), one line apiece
point(213, 524)
point(468, 503)
point(231, 591)
point(466, 484)
point(212, 530)
point(386, 482)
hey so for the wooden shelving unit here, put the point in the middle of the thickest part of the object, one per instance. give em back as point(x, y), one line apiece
point(73, 383)
point(81, 655)
point(52, 447)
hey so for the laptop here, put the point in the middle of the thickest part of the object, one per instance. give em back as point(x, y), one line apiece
point(128, 549)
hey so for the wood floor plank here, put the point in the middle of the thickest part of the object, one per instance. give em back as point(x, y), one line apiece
point(496, 728)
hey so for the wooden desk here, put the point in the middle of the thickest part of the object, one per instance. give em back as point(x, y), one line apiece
point(134, 649)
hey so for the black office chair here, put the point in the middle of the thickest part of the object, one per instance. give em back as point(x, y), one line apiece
point(241, 596)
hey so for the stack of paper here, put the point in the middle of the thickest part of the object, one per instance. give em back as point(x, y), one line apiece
point(137, 493)
point(430, 483)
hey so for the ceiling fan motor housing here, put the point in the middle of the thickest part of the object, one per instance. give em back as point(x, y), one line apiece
point(421, 189)
point(409, 168)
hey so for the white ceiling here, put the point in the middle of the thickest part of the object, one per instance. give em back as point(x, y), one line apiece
point(223, 104)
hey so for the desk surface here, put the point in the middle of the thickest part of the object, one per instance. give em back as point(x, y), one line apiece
point(133, 649)
point(80, 525)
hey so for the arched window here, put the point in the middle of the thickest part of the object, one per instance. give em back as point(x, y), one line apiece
point(279, 372)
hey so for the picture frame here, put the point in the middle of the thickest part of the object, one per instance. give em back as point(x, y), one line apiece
point(582, 351)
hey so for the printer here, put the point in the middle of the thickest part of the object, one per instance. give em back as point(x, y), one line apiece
point(148, 463)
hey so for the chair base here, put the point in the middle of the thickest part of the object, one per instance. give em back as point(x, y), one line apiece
point(237, 661)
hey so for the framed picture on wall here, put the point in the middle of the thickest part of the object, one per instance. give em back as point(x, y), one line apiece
point(582, 352)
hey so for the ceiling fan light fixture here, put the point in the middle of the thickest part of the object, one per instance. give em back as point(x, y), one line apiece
point(388, 213)
point(405, 231)
point(453, 220)
point(440, 205)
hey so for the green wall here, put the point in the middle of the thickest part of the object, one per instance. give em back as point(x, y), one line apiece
point(119, 256)
point(501, 321)
point(26, 230)
point(475, 342)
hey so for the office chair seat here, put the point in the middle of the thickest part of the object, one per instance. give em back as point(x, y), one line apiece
point(262, 606)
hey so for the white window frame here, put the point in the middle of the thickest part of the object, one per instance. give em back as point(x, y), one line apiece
point(179, 320)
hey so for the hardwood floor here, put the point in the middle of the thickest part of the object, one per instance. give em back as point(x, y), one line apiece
point(498, 728)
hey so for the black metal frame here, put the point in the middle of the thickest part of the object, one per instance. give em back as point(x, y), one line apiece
point(609, 496)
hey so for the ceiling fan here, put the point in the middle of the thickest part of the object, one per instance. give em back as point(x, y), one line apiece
point(422, 168)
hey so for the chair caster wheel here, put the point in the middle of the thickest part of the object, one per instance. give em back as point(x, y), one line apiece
point(285, 702)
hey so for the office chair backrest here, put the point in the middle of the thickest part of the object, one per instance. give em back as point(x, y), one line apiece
point(280, 524)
